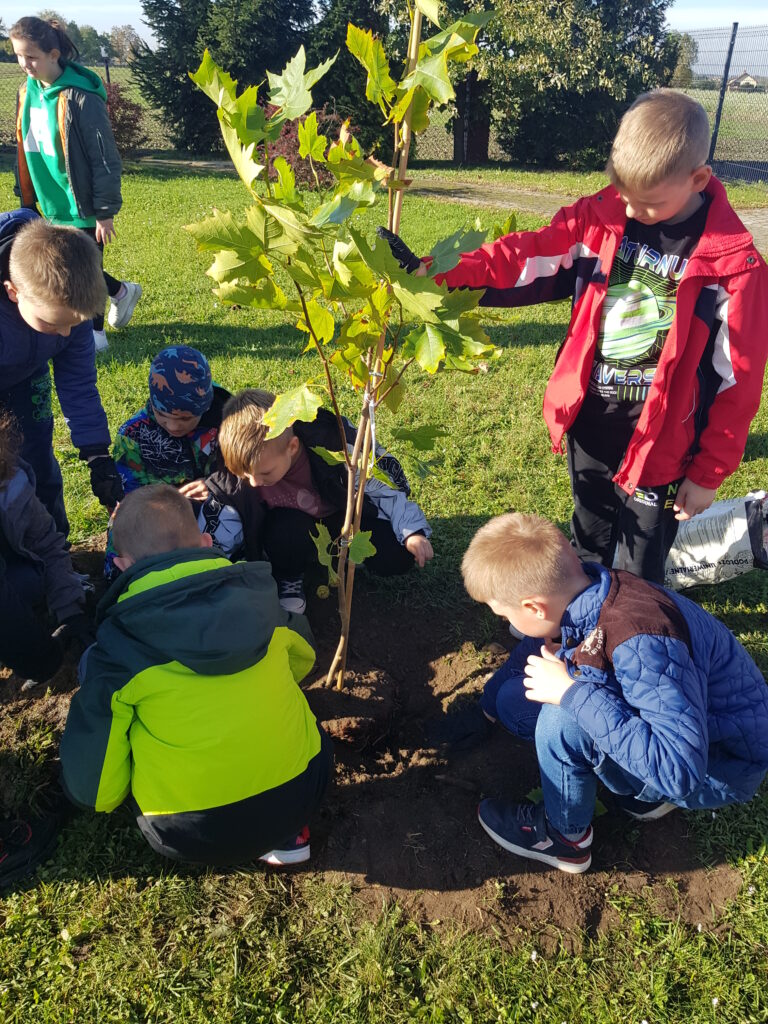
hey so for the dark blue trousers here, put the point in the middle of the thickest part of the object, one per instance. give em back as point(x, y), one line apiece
point(30, 403)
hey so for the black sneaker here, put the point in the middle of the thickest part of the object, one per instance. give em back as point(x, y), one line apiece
point(290, 594)
point(523, 829)
point(24, 845)
point(643, 810)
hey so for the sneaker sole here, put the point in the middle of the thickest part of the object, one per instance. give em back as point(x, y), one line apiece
point(286, 857)
point(570, 867)
point(654, 815)
point(122, 320)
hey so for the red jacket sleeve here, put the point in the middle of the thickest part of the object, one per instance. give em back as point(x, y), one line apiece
point(741, 348)
point(526, 267)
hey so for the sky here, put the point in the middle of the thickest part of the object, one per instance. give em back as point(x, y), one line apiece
point(684, 14)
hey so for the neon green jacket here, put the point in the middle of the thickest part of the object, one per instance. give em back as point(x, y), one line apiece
point(189, 698)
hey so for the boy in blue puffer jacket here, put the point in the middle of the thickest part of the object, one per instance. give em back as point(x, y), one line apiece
point(619, 681)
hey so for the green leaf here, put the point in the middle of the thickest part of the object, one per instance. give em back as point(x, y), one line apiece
point(299, 404)
point(265, 295)
point(420, 111)
point(270, 232)
point(506, 228)
point(422, 438)
point(426, 343)
point(360, 547)
point(394, 399)
point(311, 144)
point(285, 187)
point(445, 254)
point(379, 87)
point(293, 222)
point(290, 91)
point(232, 266)
point(430, 9)
point(377, 473)
point(457, 41)
point(320, 320)
point(344, 204)
point(349, 361)
point(331, 458)
point(241, 156)
point(420, 298)
point(324, 545)
point(431, 73)
point(217, 84)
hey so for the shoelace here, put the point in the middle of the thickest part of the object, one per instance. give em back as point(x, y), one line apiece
point(291, 587)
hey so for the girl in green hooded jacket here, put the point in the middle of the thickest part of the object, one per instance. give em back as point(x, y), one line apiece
point(67, 161)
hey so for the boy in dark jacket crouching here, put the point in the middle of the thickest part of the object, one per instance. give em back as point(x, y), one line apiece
point(189, 698)
point(618, 681)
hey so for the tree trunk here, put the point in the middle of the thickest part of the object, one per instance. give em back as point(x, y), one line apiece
point(472, 125)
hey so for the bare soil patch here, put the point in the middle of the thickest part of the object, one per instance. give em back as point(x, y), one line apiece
point(400, 824)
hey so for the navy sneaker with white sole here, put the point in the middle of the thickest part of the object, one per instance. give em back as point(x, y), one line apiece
point(295, 851)
point(523, 829)
point(643, 810)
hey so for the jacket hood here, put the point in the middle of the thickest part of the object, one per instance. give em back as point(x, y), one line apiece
point(195, 607)
point(10, 223)
point(75, 76)
point(724, 233)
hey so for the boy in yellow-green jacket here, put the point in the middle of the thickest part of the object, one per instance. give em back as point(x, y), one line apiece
point(189, 700)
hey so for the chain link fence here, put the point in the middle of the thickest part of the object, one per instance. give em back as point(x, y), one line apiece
point(11, 77)
point(726, 70)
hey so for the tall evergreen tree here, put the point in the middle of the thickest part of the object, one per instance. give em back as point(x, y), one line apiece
point(249, 37)
point(180, 28)
point(342, 88)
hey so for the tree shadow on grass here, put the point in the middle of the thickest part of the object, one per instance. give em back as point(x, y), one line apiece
point(213, 340)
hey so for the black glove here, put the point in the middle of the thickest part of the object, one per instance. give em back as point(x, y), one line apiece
point(106, 482)
point(407, 259)
point(76, 631)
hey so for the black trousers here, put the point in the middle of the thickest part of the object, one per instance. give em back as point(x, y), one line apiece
point(633, 532)
point(289, 547)
point(112, 283)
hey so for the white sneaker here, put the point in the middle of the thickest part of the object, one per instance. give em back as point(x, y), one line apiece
point(290, 594)
point(100, 338)
point(121, 310)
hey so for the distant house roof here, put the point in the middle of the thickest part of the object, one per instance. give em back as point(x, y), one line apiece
point(741, 81)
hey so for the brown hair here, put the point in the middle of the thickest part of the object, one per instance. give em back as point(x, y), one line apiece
point(58, 264)
point(664, 134)
point(515, 556)
point(48, 35)
point(153, 520)
point(243, 433)
point(10, 443)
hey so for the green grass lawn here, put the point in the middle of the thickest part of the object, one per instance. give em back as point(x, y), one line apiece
point(110, 934)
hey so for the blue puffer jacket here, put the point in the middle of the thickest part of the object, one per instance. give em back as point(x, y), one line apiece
point(25, 352)
point(663, 689)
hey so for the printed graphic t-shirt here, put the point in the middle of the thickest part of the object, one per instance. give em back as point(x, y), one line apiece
point(637, 313)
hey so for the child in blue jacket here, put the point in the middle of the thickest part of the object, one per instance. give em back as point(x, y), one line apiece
point(618, 681)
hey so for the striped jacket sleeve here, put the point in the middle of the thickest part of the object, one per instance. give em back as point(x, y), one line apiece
point(95, 747)
point(739, 357)
point(526, 267)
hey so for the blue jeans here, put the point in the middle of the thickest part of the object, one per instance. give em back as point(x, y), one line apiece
point(569, 763)
point(30, 403)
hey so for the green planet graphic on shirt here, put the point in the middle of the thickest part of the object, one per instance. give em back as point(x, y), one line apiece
point(632, 317)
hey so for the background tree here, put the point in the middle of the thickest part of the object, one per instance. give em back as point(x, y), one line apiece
point(94, 45)
point(340, 88)
point(125, 42)
point(250, 36)
point(687, 55)
point(162, 72)
point(563, 71)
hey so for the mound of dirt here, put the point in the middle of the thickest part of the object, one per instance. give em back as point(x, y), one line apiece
point(400, 823)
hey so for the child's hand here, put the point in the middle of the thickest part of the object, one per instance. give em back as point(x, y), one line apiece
point(420, 548)
point(195, 490)
point(546, 678)
point(692, 499)
point(105, 230)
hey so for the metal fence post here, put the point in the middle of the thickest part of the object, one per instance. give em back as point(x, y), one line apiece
point(721, 97)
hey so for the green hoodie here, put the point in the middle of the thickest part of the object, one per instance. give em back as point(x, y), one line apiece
point(43, 148)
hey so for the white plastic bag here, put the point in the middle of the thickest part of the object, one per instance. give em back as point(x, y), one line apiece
point(730, 538)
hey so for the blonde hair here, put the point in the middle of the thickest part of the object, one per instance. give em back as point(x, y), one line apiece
point(153, 520)
point(664, 134)
point(243, 433)
point(515, 556)
point(57, 264)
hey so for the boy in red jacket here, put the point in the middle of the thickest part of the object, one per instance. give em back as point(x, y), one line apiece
point(661, 371)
